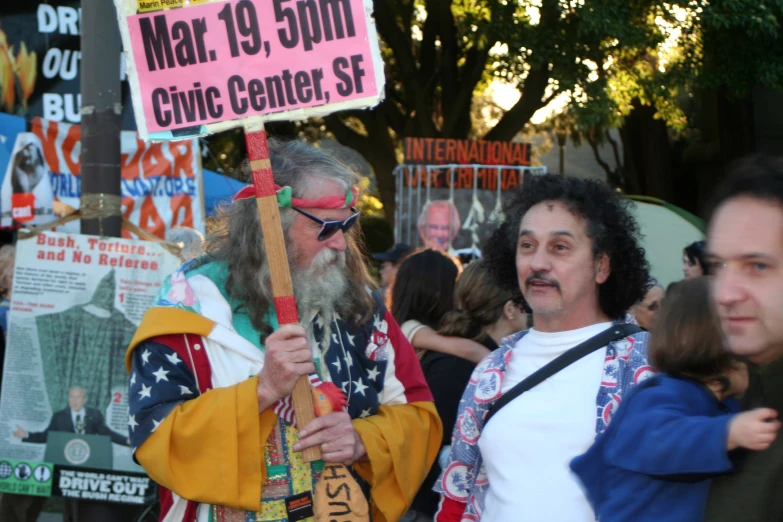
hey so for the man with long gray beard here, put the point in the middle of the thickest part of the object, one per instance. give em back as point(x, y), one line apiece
point(212, 371)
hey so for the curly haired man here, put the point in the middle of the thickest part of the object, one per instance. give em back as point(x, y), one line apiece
point(571, 247)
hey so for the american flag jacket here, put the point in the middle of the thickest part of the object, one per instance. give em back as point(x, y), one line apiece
point(194, 420)
point(463, 483)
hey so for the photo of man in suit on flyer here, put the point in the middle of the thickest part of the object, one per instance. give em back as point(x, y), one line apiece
point(76, 418)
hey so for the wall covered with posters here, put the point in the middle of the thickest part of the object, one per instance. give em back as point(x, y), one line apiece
point(161, 182)
point(40, 59)
point(75, 305)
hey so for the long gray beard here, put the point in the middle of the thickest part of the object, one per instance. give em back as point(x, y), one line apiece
point(318, 291)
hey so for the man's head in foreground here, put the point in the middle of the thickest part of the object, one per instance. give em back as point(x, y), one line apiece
point(745, 254)
point(571, 247)
point(322, 236)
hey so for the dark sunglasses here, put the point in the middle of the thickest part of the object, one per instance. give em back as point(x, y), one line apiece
point(330, 228)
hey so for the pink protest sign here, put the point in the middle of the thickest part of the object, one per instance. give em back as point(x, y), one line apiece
point(197, 69)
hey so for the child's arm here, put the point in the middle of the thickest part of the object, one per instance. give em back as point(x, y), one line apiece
point(755, 430)
point(660, 434)
point(429, 339)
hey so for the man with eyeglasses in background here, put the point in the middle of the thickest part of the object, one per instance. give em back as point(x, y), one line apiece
point(211, 418)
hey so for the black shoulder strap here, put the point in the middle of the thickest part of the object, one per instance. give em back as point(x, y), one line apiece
point(615, 332)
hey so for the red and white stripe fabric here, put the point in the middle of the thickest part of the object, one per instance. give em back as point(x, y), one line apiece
point(284, 408)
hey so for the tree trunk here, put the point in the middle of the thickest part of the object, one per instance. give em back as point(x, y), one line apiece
point(736, 127)
point(648, 156)
point(377, 148)
point(383, 166)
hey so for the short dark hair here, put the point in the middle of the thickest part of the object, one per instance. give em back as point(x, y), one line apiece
point(424, 288)
point(696, 254)
point(687, 338)
point(758, 176)
point(610, 225)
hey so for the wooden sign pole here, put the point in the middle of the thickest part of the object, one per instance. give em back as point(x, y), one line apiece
point(274, 241)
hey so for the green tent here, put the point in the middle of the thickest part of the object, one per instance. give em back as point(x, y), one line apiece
point(667, 229)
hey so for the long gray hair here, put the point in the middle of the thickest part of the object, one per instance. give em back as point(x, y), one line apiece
point(239, 242)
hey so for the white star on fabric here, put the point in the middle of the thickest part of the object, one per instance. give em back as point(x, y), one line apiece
point(173, 359)
point(161, 374)
point(335, 339)
point(156, 423)
point(146, 391)
point(146, 356)
point(337, 364)
point(360, 387)
point(184, 390)
point(350, 338)
point(132, 422)
point(348, 359)
point(319, 321)
point(365, 413)
point(343, 386)
point(372, 374)
point(133, 378)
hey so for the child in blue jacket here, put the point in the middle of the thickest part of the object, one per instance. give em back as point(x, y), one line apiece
point(674, 432)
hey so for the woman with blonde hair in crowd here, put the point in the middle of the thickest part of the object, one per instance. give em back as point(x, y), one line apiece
point(483, 312)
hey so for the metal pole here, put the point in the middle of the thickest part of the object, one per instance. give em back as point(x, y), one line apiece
point(101, 119)
point(100, 165)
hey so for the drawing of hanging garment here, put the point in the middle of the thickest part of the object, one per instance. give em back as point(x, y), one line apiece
point(85, 346)
point(497, 216)
point(476, 215)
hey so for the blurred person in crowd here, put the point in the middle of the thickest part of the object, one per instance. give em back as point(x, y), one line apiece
point(190, 239)
point(75, 418)
point(438, 224)
point(646, 310)
point(467, 255)
point(486, 313)
point(693, 263)
point(423, 292)
point(7, 264)
point(230, 368)
point(681, 423)
point(390, 263)
point(745, 254)
point(571, 246)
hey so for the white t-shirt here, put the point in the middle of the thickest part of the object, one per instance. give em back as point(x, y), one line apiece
point(528, 444)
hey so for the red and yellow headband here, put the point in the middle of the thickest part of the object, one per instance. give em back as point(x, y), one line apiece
point(285, 198)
